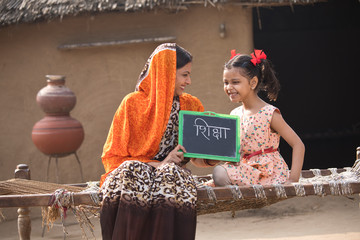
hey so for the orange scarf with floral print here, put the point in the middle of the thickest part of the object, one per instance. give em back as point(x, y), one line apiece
point(141, 119)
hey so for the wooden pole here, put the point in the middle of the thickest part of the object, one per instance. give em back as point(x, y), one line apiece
point(24, 222)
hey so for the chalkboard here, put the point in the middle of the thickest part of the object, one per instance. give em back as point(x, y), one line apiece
point(209, 135)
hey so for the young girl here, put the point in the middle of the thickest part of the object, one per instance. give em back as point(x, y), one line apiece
point(261, 126)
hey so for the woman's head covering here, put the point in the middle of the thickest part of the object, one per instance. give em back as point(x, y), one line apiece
point(167, 61)
point(141, 119)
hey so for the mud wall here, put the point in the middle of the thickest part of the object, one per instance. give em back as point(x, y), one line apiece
point(100, 77)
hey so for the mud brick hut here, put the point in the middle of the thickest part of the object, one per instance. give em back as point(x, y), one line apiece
point(102, 45)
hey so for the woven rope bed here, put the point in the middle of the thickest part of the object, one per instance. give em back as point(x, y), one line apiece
point(344, 181)
point(83, 199)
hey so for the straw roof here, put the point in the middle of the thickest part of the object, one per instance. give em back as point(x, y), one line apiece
point(19, 11)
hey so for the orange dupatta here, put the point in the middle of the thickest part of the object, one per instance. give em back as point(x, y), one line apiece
point(141, 119)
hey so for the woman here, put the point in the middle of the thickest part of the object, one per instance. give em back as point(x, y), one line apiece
point(146, 193)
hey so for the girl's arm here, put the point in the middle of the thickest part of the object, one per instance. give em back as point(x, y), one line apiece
point(279, 125)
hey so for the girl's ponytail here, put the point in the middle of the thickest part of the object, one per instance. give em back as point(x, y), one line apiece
point(269, 81)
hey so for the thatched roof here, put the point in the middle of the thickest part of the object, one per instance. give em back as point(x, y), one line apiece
point(18, 11)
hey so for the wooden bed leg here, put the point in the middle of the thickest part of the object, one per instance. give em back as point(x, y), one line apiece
point(24, 222)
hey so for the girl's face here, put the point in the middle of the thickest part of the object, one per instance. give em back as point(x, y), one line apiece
point(182, 79)
point(236, 86)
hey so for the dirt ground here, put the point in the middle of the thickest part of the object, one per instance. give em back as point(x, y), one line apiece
point(306, 218)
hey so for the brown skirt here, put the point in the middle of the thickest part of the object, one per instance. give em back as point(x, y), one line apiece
point(140, 202)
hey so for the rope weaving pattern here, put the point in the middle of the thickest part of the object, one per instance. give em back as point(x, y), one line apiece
point(259, 191)
point(211, 193)
point(299, 189)
point(235, 190)
point(333, 171)
point(93, 189)
point(339, 183)
point(319, 189)
point(23, 186)
point(356, 166)
point(346, 187)
point(334, 188)
point(280, 190)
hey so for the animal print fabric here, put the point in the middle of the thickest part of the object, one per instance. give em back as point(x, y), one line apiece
point(170, 137)
point(141, 184)
point(146, 198)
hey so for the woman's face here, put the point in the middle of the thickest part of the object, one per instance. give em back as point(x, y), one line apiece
point(182, 79)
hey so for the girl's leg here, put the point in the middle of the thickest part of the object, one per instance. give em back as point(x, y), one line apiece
point(221, 177)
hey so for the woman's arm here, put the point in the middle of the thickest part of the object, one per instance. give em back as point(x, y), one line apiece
point(279, 125)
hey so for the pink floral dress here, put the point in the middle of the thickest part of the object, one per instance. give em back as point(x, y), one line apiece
point(266, 168)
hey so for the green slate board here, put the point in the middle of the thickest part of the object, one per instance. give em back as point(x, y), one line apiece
point(210, 135)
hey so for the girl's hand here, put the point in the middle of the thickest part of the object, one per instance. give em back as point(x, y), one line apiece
point(175, 156)
point(289, 181)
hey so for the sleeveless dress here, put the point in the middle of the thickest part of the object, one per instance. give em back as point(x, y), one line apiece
point(266, 168)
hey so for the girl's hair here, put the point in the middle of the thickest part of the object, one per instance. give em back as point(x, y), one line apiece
point(183, 57)
point(264, 71)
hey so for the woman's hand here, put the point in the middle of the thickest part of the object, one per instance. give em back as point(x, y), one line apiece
point(175, 156)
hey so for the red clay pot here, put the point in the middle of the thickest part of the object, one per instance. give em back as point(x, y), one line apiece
point(57, 133)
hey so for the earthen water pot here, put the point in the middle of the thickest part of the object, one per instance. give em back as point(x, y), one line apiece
point(57, 133)
point(56, 98)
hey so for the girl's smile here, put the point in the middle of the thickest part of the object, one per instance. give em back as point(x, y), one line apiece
point(236, 86)
point(232, 94)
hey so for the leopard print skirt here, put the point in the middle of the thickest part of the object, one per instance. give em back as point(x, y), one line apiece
point(140, 202)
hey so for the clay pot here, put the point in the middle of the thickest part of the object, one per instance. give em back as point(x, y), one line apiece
point(57, 134)
point(56, 98)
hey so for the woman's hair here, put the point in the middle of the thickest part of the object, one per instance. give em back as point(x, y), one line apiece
point(264, 71)
point(183, 57)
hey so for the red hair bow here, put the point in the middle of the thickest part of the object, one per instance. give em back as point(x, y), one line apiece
point(233, 54)
point(257, 55)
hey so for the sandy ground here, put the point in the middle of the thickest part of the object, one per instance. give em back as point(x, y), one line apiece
point(310, 218)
